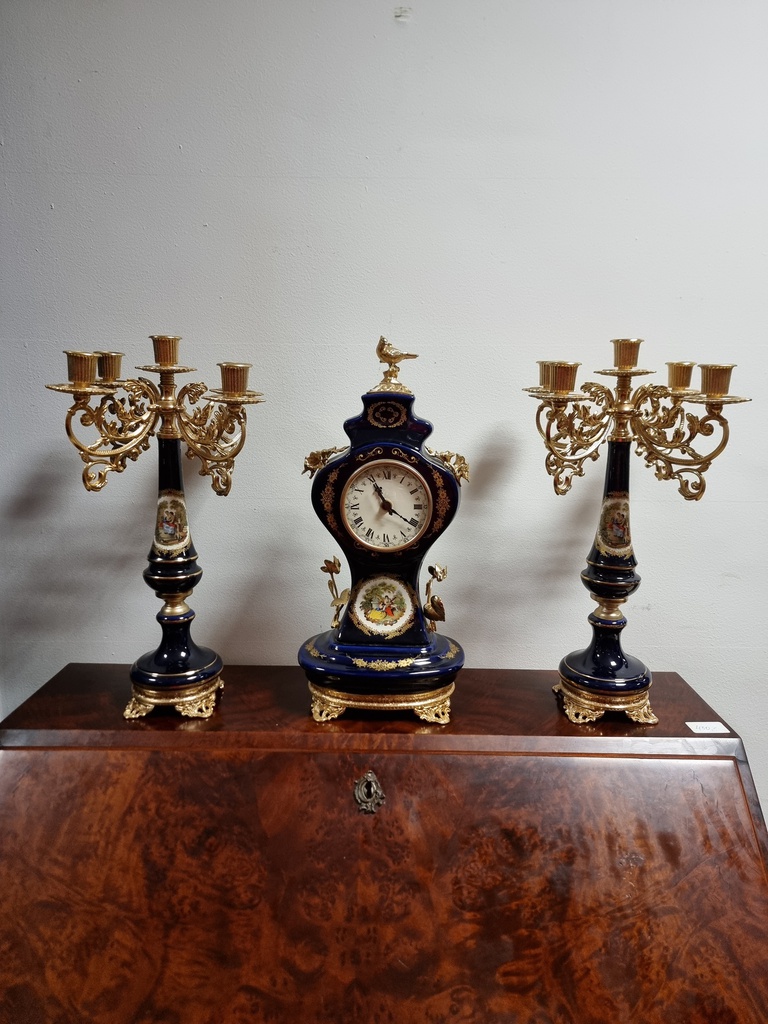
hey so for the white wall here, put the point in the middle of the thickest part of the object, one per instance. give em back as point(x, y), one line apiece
point(487, 184)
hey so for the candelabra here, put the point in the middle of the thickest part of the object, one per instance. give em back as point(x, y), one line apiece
point(125, 414)
point(573, 425)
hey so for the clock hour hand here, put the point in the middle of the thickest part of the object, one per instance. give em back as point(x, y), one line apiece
point(386, 505)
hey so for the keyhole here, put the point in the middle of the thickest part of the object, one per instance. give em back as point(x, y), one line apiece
point(368, 793)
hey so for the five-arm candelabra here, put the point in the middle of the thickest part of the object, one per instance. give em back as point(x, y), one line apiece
point(125, 414)
point(573, 424)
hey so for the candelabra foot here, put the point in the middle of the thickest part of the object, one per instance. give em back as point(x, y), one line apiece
point(179, 674)
point(582, 706)
point(433, 706)
point(197, 701)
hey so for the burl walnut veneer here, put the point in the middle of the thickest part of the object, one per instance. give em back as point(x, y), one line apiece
point(521, 869)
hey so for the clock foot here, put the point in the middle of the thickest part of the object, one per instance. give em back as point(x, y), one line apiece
point(439, 713)
point(432, 706)
point(583, 706)
point(325, 709)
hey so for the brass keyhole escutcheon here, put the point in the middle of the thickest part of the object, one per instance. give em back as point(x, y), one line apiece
point(368, 793)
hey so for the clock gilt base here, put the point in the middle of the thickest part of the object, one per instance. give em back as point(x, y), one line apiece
point(434, 706)
point(381, 678)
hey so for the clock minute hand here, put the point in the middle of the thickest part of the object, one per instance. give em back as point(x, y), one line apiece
point(394, 512)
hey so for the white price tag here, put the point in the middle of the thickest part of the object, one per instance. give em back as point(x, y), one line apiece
point(707, 727)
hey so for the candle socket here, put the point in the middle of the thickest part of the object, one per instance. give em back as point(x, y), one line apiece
point(81, 367)
point(110, 365)
point(545, 373)
point(716, 379)
point(562, 376)
point(680, 376)
point(166, 348)
point(626, 352)
point(234, 379)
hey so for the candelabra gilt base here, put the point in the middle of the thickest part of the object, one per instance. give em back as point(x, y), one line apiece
point(178, 674)
point(573, 425)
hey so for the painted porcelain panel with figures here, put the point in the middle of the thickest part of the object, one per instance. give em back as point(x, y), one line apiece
point(383, 606)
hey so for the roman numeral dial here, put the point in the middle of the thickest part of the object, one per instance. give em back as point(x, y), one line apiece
point(386, 506)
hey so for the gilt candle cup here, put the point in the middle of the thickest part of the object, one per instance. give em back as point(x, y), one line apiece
point(716, 379)
point(562, 377)
point(234, 379)
point(680, 376)
point(626, 352)
point(545, 374)
point(166, 348)
point(81, 367)
point(110, 365)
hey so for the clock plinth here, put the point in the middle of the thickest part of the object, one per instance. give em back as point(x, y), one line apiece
point(434, 706)
point(381, 677)
point(385, 499)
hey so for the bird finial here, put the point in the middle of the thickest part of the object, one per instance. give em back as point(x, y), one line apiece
point(391, 356)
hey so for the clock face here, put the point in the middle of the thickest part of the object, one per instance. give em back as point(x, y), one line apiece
point(386, 506)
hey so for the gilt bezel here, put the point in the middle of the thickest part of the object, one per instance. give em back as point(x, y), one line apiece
point(401, 467)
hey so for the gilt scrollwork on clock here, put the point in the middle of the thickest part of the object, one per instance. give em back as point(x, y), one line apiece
point(339, 601)
point(398, 453)
point(433, 608)
point(387, 415)
point(320, 459)
point(457, 464)
point(383, 664)
point(328, 501)
point(442, 503)
point(374, 453)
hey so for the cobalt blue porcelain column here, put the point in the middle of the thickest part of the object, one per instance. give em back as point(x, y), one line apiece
point(602, 677)
point(178, 673)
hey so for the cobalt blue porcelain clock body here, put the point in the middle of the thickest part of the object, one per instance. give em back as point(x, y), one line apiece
point(385, 499)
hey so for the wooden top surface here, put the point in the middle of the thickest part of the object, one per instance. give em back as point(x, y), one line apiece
point(269, 707)
point(200, 871)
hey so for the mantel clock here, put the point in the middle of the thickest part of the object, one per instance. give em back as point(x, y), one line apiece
point(386, 499)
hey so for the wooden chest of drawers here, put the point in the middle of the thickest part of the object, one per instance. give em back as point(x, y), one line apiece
point(520, 869)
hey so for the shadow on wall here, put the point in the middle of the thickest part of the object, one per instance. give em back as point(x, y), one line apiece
point(493, 467)
point(563, 556)
point(61, 565)
point(245, 631)
point(514, 562)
